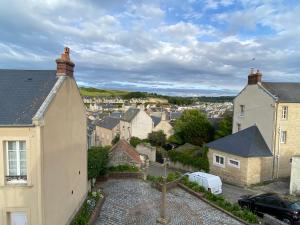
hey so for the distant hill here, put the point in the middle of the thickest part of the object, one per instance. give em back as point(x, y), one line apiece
point(93, 92)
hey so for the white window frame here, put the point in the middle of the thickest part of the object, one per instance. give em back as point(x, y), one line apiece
point(284, 112)
point(242, 110)
point(233, 165)
point(16, 181)
point(218, 163)
point(283, 140)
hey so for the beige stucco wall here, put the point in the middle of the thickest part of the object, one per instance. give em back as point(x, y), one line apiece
point(105, 136)
point(166, 127)
point(148, 150)
point(292, 146)
point(259, 110)
point(64, 144)
point(295, 176)
point(27, 197)
point(251, 171)
point(140, 126)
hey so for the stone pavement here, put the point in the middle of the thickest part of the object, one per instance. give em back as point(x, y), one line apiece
point(135, 202)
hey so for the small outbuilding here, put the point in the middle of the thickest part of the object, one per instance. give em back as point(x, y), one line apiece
point(242, 158)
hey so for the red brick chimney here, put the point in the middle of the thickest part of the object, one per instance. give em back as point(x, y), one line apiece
point(65, 67)
point(254, 78)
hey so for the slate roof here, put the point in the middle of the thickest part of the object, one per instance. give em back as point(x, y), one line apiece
point(124, 146)
point(22, 92)
point(285, 92)
point(156, 120)
point(108, 122)
point(245, 143)
point(130, 114)
point(116, 114)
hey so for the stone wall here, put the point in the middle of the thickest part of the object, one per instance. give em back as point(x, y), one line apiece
point(147, 150)
point(180, 166)
point(295, 176)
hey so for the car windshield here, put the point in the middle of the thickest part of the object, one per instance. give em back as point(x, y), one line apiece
point(295, 205)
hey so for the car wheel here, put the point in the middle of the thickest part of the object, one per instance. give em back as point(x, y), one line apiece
point(287, 221)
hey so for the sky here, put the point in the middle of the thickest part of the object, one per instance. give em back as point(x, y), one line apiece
point(172, 47)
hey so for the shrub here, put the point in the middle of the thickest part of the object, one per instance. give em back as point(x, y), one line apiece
point(84, 214)
point(157, 138)
point(124, 168)
point(116, 139)
point(97, 161)
point(235, 209)
point(134, 141)
point(173, 176)
point(188, 158)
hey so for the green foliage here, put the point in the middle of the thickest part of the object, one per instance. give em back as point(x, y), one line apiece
point(219, 200)
point(224, 127)
point(116, 139)
point(159, 179)
point(97, 161)
point(124, 168)
point(134, 141)
point(157, 138)
point(176, 139)
point(84, 214)
point(189, 158)
point(173, 176)
point(193, 127)
point(94, 92)
point(135, 95)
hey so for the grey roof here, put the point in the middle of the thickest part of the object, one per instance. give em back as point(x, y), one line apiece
point(22, 92)
point(108, 122)
point(116, 114)
point(246, 143)
point(156, 120)
point(285, 92)
point(130, 114)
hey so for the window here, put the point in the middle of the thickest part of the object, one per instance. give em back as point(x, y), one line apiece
point(242, 108)
point(16, 166)
point(284, 113)
point(282, 137)
point(239, 126)
point(18, 218)
point(219, 160)
point(234, 163)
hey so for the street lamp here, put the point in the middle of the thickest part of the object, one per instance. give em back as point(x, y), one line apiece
point(163, 217)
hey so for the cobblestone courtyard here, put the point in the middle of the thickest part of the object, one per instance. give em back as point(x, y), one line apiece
point(134, 202)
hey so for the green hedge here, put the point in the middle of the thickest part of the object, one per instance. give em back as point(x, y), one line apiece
point(84, 214)
point(189, 158)
point(159, 179)
point(124, 168)
point(235, 209)
point(97, 161)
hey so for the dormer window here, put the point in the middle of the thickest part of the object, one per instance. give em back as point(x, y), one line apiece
point(242, 110)
point(284, 113)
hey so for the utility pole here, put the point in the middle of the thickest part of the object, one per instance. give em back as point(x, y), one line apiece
point(163, 208)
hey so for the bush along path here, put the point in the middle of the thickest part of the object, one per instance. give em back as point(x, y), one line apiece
point(90, 209)
point(215, 200)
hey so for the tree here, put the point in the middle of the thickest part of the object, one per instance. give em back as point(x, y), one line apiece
point(193, 127)
point(116, 139)
point(157, 138)
point(224, 127)
point(97, 161)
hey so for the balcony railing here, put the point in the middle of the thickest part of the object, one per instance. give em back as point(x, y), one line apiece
point(16, 179)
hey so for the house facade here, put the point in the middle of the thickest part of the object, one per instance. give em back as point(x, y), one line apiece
point(135, 123)
point(161, 123)
point(43, 150)
point(274, 108)
point(106, 130)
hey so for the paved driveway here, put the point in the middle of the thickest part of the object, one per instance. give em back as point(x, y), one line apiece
point(134, 202)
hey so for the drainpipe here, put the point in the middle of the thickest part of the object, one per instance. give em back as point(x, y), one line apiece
point(274, 142)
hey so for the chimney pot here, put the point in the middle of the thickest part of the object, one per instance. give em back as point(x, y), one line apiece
point(65, 67)
point(254, 78)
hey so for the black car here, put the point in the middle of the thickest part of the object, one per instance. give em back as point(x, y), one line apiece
point(272, 204)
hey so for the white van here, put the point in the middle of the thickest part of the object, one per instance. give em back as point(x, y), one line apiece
point(210, 182)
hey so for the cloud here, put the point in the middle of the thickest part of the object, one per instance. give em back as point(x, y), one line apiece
point(179, 48)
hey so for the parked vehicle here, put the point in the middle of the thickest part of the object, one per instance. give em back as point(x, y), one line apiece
point(272, 204)
point(210, 182)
